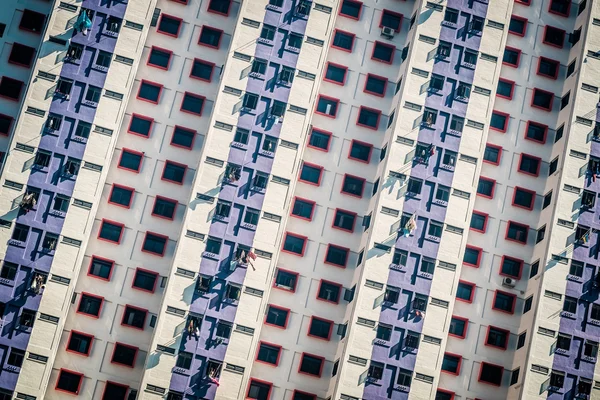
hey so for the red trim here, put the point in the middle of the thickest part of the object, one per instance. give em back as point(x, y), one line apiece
point(11, 119)
point(378, 112)
point(197, 96)
point(557, 13)
point(369, 145)
point(314, 356)
point(20, 89)
point(350, 16)
point(287, 317)
point(314, 396)
point(163, 50)
point(533, 193)
point(512, 89)
point(112, 223)
point(157, 235)
point(293, 290)
point(304, 238)
point(493, 365)
point(377, 77)
point(213, 29)
point(537, 173)
point(479, 253)
point(114, 384)
point(169, 162)
point(506, 120)
point(148, 272)
point(94, 296)
point(138, 116)
point(518, 57)
point(218, 12)
point(493, 181)
point(184, 2)
point(519, 261)
point(512, 311)
point(325, 79)
point(30, 30)
point(20, 47)
point(521, 34)
point(324, 133)
point(351, 194)
point(170, 17)
point(466, 321)
point(312, 211)
point(523, 2)
point(392, 13)
point(134, 308)
point(545, 92)
point(485, 216)
point(331, 323)
point(340, 248)
point(447, 392)
point(125, 150)
point(212, 69)
point(345, 33)
point(258, 381)
point(150, 83)
point(91, 337)
point(70, 372)
point(331, 283)
point(132, 190)
point(183, 129)
point(457, 367)
point(552, 44)
point(101, 259)
point(473, 287)
point(167, 200)
point(128, 346)
point(389, 46)
point(337, 108)
point(551, 61)
point(508, 225)
point(499, 148)
point(314, 166)
point(272, 345)
point(333, 226)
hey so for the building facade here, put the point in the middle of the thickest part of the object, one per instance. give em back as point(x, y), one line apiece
point(295, 199)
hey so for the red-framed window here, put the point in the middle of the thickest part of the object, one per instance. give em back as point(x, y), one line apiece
point(5, 124)
point(504, 302)
point(259, 390)
point(80, 343)
point(32, 21)
point(499, 121)
point(320, 328)
point(140, 125)
point(375, 85)
point(451, 363)
point(554, 37)
point(336, 73)
point(368, 118)
point(311, 364)
point(183, 137)
point(548, 67)
point(101, 268)
point(159, 58)
point(497, 337)
point(492, 154)
point(113, 390)
point(21, 55)
point(319, 140)
point(337, 255)
point(164, 207)
point(472, 256)
point(277, 316)
point(353, 185)
point(559, 7)
point(121, 196)
point(458, 327)
point(351, 9)
point(294, 244)
point(111, 231)
point(479, 221)
point(69, 381)
point(523, 198)
point(90, 305)
point(360, 151)
point(124, 354)
point(465, 291)
point(268, 353)
point(505, 89)
point(512, 267)
point(511, 57)
point(149, 91)
point(202, 70)
point(529, 164)
point(524, 2)
point(155, 244)
point(516, 232)
point(169, 25)
point(134, 317)
point(303, 208)
point(174, 172)
point(344, 220)
point(486, 187)
point(327, 106)
point(220, 7)
point(311, 174)
point(11, 89)
point(542, 99)
point(144, 280)
point(536, 132)
point(518, 25)
point(343, 40)
point(285, 280)
point(383, 52)
point(210, 37)
point(131, 160)
point(491, 374)
point(391, 19)
point(299, 395)
point(442, 394)
point(329, 291)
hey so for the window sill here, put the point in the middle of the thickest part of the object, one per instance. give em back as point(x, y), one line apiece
point(100, 68)
point(212, 256)
point(397, 267)
point(568, 315)
point(449, 24)
point(265, 41)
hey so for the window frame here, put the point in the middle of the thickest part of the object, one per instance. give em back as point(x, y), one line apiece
point(487, 335)
point(382, 44)
point(226, 14)
point(182, 128)
point(310, 165)
point(87, 294)
point(211, 28)
point(329, 246)
point(480, 253)
point(364, 181)
point(466, 321)
point(486, 382)
point(376, 77)
point(344, 33)
point(512, 89)
point(473, 288)
point(159, 236)
point(287, 317)
point(493, 181)
point(339, 286)
point(91, 337)
point(339, 66)
point(150, 83)
point(533, 193)
point(327, 98)
point(128, 346)
point(517, 260)
point(312, 211)
point(203, 62)
point(349, 213)
point(499, 148)
point(550, 61)
point(368, 109)
point(360, 9)
point(393, 14)
point(534, 91)
point(160, 49)
point(514, 297)
point(176, 164)
point(550, 11)
point(279, 348)
point(261, 382)
point(144, 118)
point(168, 200)
point(485, 221)
point(564, 34)
point(331, 325)
point(287, 271)
point(145, 311)
point(537, 173)
point(68, 371)
point(146, 271)
point(15, 99)
point(506, 121)
point(508, 225)
point(364, 144)
point(324, 133)
point(10, 121)
point(520, 34)
point(111, 222)
point(172, 17)
point(457, 373)
point(112, 262)
point(545, 127)
point(127, 188)
point(133, 152)
point(21, 47)
point(518, 57)
point(304, 238)
point(322, 359)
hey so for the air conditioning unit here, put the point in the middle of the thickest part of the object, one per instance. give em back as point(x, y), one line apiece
point(387, 31)
point(510, 282)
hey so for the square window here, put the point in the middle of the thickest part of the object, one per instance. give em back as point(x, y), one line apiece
point(104, 58)
point(523, 198)
point(124, 355)
point(90, 305)
point(183, 137)
point(268, 353)
point(517, 26)
point(360, 151)
point(490, 373)
point(504, 302)
point(375, 85)
point(351, 9)
point(61, 203)
point(155, 244)
point(192, 103)
point(465, 291)
point(390, 19)
point(164, 207)
point(383, 52)
point(472, 256)
point(69, 381)
point(560, 7)
point(505, 89)
point(174, 172)
point(451, 15)
point(470, 58)
point(101, 268)
point(83, 130)
point(451, 363)
point(298, 395)
point(16, 358)
point(219, 7)
point(511, 267)
point(80, 343)
point(478, 222)
point(529, 165)
point(319, 140)
point(335, 73)
point(210, 37)
point(20, 233)
point(517, 232)
point(353, 185)
point(121, 195)
point(343, 41)
point(536, 132)
point(320, 328)
point(542, 99)
point(134, 317)
point(268, 32)
point(149, 91)
point(111, 231)
point(303, 208)
point(497, 337)
point(294, 244)
point(337, 255)
point(93, 94)
point(499, 121)
point(511, 57)
point(548, 67)
point(329, 291)
point(202, 70)
point(554, 37)
point(5, 124)
point(295, 40)
point(10, 88)
point(71, 168)
point(285, 280)
point(492, 154)
point(169, 25)
point(458, 327)
point(258, 390)
point(327, 106)
point(145, 280)
point(131, 160)
point(368, 117)
point(32, 21)
point(486, 187)
point(311, 174)
point(344, 220)
point(277, 316)
point(311, 364)
point(140, 125)
point(21, 55)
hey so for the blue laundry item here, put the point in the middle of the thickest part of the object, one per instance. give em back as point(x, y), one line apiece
point(83, 22)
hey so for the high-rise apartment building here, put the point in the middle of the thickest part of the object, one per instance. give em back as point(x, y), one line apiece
point(299, 200)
